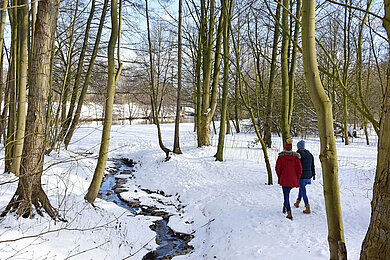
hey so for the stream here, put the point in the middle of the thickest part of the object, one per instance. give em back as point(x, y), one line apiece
point(170, 243)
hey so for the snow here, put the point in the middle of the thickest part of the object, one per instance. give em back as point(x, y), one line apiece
point(228, 207)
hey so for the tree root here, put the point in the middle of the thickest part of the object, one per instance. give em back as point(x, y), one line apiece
point(24, 206)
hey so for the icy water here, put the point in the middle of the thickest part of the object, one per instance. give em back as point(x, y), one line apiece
point(170, 243)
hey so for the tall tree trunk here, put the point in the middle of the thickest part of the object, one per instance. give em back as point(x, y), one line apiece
point(29, 193)
point(228, 127)
point(246, 101)
point(237, 108)
point(285, 106)
point(198, 91)
point(33, 12)
point(67, 77)
point(111, 85)
point(3, 15)
point(293, 62)
point(272, 73)
point(75, 91)
point(4, 115)
point(209, 100)
point(328, 155)
point(176, 143)
point(377, 240)
point(227, 8)
point(347, 54)
point(360, 66)
point(9, 145)
point(154, 96)
point(22, 83)
point(87, 79)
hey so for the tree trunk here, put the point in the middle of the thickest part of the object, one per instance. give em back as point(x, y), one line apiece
point(84, 89)
point(3, 15)
point(328, 154)
point(360, 67)
point(22, 83)
point(228, 127)
point(209, 101)
point(293, 62)
point(198, 97)
point(284, 125)
point(248, 106)
point(227, 7)
point(67, 78)
point(377, 240)
point(176, 143)
point(108, 108)
point(154, 95)
point(347, 53)
point(270, 96)
point(9, 145)
point(237, 109)
point(29, 192)
point(68, 120)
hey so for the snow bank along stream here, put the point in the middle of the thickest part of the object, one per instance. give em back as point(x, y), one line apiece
point(170, 243)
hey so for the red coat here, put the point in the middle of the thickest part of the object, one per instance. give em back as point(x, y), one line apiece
point(288, 168)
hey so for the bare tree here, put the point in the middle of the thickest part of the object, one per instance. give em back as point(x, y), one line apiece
point(110, 94)
point(29, 193)
point(328, 154)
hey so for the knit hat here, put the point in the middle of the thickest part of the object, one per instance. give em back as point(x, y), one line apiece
point(288, 145)
point(301, 144)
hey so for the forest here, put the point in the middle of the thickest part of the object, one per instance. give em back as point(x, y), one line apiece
point(152, 129)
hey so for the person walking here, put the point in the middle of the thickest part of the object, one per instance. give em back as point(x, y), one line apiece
point(289, 169)
point(308, 172)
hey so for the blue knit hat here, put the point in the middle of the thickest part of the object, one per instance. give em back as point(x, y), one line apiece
point(301, 144)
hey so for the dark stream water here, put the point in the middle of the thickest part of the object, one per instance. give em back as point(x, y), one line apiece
point(170, 243)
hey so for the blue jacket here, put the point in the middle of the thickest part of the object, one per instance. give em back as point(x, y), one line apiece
point(307, 161)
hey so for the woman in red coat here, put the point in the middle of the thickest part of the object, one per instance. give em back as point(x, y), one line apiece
point(289, 169)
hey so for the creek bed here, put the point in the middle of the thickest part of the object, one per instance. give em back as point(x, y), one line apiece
point(170, 243)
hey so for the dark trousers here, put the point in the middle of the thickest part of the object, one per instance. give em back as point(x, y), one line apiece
point(286, 195)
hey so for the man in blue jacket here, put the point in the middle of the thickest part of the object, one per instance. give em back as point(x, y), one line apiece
point(308, 172)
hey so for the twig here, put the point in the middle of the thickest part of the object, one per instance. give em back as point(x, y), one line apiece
point(127, 257)
point(87, 250)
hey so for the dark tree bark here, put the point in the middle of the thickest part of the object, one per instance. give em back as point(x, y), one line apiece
point(176, 143)
point(29, 193)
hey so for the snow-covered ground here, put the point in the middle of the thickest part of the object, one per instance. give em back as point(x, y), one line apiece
point(229, 208)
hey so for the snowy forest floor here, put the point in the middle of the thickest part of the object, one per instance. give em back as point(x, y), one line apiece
point(228, 207)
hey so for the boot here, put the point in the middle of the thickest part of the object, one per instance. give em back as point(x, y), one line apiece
point(284, 209)
point(307, 210)
point(296, 204)
point(289, 215)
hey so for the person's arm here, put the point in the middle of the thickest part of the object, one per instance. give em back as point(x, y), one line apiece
point(313, 169)
point(278, 167)
point(299, 168)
